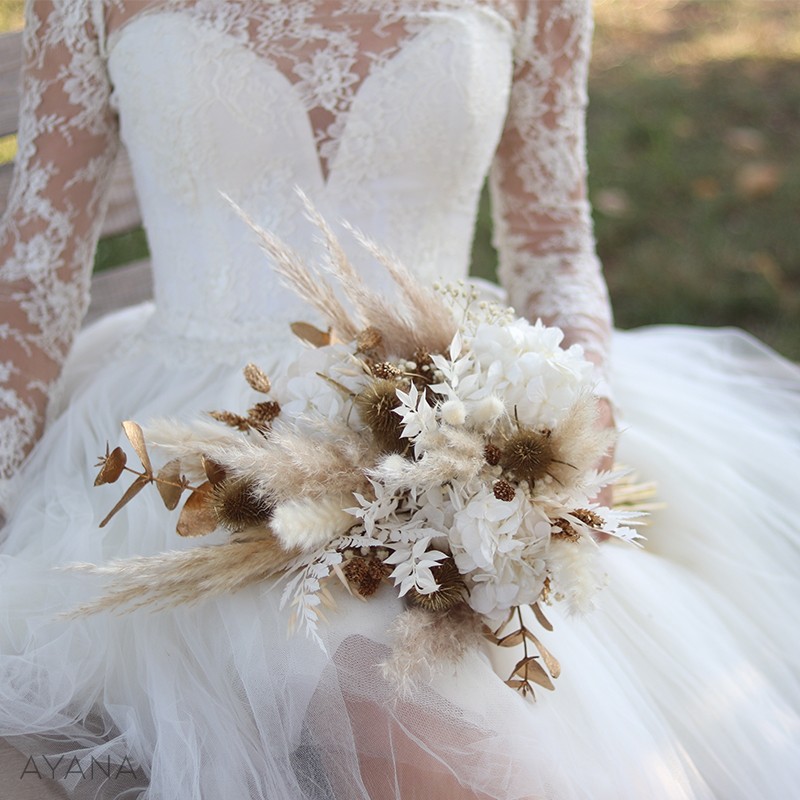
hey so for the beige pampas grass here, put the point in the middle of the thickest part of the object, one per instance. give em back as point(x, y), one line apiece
point(183, 577)
point(308, 524)
point(431, 320)
point(425, 644)
point(575, 574)
point(301, 278)
point(458, 456)
point(581, 441)
point(189, 442)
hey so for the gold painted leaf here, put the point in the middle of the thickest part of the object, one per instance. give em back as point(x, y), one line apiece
point(113, 465)
point(541, 618)
point(550, 661)
point(531, 670)
point(516, 683)
point(215, 473)
point(512, 640)
point(197, 516)
point(136, 437)
point(308, 333)
point(170, 492)
point(130, 493)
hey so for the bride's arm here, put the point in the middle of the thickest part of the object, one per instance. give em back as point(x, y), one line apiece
point(542, 220)
point(67, 143)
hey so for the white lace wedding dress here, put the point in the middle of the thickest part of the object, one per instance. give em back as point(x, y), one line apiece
point(388, 114)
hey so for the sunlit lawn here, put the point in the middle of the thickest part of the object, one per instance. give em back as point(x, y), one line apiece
point(694, 135)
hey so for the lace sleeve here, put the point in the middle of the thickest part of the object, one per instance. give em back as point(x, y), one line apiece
point(542, 221)
point(67, 144)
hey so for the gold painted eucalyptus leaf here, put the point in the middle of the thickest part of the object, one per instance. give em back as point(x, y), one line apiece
point(313, 336)
point(113, 466)
point(130, 493)
point(136, 437)
point(197, 516)
point(170, 484)
point(530, 669)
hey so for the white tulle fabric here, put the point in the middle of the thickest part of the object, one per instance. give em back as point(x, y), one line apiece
point(682, 685)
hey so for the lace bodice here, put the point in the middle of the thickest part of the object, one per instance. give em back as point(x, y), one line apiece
point(387, 114)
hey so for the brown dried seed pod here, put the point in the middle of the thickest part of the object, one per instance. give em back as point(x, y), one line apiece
point(257, 378)
point(528, 454)
point(589, 517)
point(231, 420)
point(376, 405)
point(237, 505)
point(503, 490)
point(565, 531)
point(262, 414)
point(369, 340)
point(452, 589)
point(492, 454)
point(386, 371)
point(366, 574)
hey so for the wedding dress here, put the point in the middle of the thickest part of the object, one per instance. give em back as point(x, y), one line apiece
point(683, 684)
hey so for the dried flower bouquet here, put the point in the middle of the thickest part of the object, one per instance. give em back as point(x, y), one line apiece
point(440, 444)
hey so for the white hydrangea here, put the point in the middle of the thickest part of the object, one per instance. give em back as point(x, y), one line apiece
point(301, 391)
point(499, 545)
point(526, 367)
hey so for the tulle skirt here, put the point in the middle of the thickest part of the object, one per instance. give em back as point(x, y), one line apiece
point(682, 684)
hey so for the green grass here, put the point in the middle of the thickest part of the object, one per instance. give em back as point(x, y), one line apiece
point(11, 14)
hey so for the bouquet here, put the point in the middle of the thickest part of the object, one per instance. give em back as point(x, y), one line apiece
point(437, 446)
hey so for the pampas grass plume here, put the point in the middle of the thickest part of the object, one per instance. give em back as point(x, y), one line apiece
point(425, 644)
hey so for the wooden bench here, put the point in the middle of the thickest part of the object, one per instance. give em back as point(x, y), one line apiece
point(114, 288)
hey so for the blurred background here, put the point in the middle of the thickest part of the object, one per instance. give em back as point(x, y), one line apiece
point(694, 156)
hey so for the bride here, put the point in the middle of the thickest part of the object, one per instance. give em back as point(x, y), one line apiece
point(683, 684)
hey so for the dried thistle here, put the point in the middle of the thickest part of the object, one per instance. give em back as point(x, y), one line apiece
point(376, 405)
point(366, 573)
point(238, 506)
point(452, 589)
point(528, 454)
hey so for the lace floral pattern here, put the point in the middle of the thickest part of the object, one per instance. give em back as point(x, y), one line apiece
point(68, 142)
